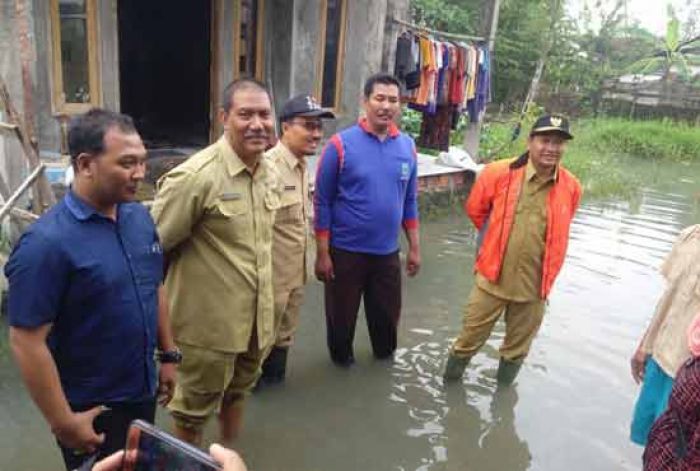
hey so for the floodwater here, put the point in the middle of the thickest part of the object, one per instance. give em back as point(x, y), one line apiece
point(570, 408)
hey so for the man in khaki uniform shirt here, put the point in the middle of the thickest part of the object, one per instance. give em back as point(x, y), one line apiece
point(302, 130)
point(518, 289)
point(214, 215)
point(519, 292)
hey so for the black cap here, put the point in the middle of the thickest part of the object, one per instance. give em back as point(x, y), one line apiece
point(551, 123)
point(304, 105)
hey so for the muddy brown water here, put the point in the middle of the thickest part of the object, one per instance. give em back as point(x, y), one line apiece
point(570, 408)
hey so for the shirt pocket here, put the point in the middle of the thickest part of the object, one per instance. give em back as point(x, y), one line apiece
point(148, 264)
point(290, 214)
point(229, 208)
point(229, 220)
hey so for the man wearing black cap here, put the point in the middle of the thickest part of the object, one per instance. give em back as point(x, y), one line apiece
point(302, 130)
point(523, 209)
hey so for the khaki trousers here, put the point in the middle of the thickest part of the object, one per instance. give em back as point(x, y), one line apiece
point(287, 308)
point(523, 320)
point(209, 379)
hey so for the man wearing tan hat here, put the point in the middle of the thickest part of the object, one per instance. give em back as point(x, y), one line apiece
point(302, 130)
point(522, 208)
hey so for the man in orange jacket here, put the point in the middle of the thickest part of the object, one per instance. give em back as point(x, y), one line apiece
point(522, 208)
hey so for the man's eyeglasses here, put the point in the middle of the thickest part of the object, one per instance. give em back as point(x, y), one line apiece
point(309, 125)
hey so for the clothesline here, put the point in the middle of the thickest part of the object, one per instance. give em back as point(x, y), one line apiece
point(436, 32)
point(443, 80)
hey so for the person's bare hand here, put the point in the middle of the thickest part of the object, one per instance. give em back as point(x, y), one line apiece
point(78, 433)
point(637, 364)
point(166, 383)
point(324, 268)
point(413, 262)
point(228, 459)
point(112, 463)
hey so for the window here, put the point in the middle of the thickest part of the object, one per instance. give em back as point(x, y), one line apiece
point(332, 36)
point(248, 38)
point(74, 46)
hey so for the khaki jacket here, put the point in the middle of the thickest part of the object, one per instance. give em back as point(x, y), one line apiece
point(215, 224)
point(291, 231)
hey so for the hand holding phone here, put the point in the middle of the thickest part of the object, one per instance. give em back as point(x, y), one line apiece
point(228, 459)
point(151, 449)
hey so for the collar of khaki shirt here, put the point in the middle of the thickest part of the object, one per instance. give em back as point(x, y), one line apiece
point(292, 160)
point(234, 164)
point(531, 172)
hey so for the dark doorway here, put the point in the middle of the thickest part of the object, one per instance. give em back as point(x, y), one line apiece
point(164, 68)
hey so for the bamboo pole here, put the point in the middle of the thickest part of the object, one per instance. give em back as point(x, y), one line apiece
point(4, 189)
point(43, 196)
point(446, 35)
point(24, 215)
point(20, 191)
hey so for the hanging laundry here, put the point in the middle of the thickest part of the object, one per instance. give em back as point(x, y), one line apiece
point(443, 80)
point(407, 57)
point(435, 129)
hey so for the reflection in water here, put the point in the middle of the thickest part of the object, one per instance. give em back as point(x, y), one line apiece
point(461, 435)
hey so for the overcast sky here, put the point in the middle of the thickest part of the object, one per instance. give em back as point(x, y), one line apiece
point(650, 13)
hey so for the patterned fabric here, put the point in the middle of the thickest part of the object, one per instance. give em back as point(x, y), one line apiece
point(674, 440)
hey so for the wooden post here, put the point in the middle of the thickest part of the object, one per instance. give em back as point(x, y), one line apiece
point(4, 189)
point(43, 195)
point(472, 133)
point(22, 188)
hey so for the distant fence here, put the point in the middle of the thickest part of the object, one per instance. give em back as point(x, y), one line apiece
point(652, 99)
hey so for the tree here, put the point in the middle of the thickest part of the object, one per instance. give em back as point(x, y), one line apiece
point(673, 54)
point(518, 48)
point(452, 16)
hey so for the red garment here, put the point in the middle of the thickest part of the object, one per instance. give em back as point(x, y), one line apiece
point(494, 197)
point(674, 439)
point(435, 129)
point(458, 81)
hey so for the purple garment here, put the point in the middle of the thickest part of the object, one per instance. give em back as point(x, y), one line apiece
point(483, 87)
point(443, 76)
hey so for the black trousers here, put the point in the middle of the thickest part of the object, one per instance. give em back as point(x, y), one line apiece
point(114, 424)
point(377, 279)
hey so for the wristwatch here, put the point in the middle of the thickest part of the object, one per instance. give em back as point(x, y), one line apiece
point(170, 356)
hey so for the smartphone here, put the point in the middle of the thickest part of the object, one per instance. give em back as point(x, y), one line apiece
point(105, 421)
point(151, 449)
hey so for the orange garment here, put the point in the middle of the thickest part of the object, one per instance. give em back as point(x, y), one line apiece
point(428, 71)
point(494, 197)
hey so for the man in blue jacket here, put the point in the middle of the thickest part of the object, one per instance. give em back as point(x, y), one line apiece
point(366, 190)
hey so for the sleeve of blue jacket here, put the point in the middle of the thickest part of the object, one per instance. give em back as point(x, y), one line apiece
point(325, 188)
point(410, 207)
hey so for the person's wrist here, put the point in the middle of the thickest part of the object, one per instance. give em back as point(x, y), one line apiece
point(62, 423)
point(173, 355)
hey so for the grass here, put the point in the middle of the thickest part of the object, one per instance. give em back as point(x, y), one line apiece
point(600, 154)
